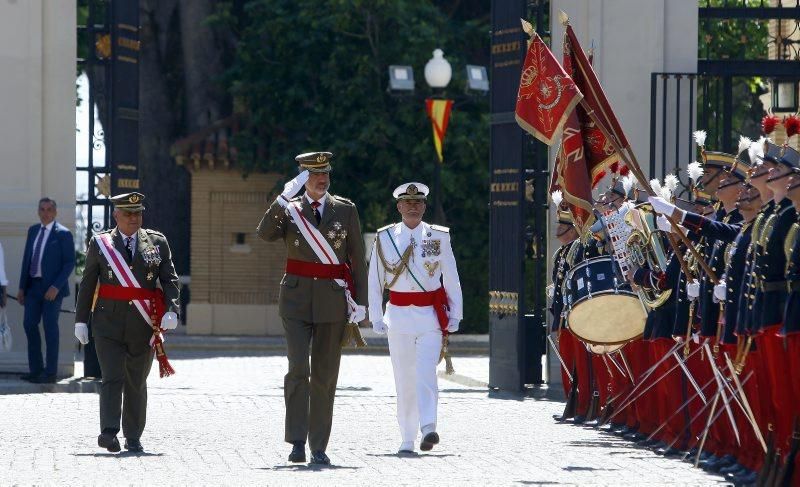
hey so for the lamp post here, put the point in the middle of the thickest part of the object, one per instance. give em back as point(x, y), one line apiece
point(438, 74)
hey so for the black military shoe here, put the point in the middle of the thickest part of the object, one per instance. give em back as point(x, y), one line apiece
point(298, 454)
point(318, 457)
point(109, 442)
point(580, 419)
point(133, 445)
point(44, 379)
point(635, 436)
point(28, 377)
point(428, 441)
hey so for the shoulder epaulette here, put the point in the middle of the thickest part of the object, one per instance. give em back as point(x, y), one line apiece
point(154, 232)
point(441, 228)
point(385, 227)
point(343, 199)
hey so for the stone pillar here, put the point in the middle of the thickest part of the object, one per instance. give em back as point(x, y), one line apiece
point(37, 156)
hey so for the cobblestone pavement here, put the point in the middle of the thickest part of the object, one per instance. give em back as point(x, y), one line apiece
point(219, 421)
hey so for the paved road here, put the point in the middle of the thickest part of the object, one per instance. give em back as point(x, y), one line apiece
point(219, 421)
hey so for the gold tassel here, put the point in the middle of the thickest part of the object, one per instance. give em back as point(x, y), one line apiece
point(352, 334)
point(445, 354)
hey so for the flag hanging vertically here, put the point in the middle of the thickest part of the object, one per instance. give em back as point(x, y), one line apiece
point(546, 105)
point(547, 95)
point(439, 113)
point(600, 153)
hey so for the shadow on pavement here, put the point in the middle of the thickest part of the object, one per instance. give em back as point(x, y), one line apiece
point(308, 468)
point(125, 454)
point(411, 455)
point(588, 469)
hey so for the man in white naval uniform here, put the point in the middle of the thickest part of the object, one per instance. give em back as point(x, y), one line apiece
point(415, 262)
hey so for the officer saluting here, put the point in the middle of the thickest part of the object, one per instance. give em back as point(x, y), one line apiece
point(128, 312)
point(415, 262)
point(324, 288)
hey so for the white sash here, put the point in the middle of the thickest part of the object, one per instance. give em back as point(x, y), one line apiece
point(124, 275)
point(325, 253)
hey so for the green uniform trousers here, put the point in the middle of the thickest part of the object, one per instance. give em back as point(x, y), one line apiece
point(309, 390)
point(125, 365)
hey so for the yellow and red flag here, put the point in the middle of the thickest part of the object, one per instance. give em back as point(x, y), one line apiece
point(439, 113)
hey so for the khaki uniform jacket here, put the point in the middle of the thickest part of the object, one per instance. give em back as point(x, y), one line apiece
point(108, 316)
point(318, 300)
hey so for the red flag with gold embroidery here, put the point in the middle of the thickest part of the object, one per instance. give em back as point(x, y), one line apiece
point(439, 113)
point(600, 153)
point(547, 95)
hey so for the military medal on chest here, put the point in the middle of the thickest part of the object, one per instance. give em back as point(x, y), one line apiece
point(152, 257)
point(431, 248)
point(337, 235)
point(431, 267)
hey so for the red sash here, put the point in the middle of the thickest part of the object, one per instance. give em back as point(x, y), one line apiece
point(156, 307)
point(437, 299)
point(322, 271)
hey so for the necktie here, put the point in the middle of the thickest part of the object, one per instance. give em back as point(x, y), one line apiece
point(37, 251)
point(315, 205)
point(129, 247)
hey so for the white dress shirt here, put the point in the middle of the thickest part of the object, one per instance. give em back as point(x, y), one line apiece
point(3, 278)
point(321, 202)
point(435, 269)
point(44, 236)
point(132, 245)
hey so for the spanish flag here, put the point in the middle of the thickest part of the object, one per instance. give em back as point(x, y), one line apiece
point(439, 113)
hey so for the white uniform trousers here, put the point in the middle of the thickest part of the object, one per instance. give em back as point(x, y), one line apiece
point(414, 359)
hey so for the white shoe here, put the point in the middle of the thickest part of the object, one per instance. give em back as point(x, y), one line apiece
point(406, 447)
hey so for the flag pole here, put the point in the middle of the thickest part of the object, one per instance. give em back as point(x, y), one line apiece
point(630, 160)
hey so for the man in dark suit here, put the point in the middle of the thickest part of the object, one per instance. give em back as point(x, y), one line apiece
point(48, 261)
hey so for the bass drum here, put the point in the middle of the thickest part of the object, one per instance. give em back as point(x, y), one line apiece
point(603, 349)
point(602, 309)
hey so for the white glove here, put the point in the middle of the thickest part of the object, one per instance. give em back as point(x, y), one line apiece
point(720, 291)
point(663, 224)
point(292, 188)
point(551, 291)
point(358, 315)
point(82, 333)
point(169, 321)
point(379, 327)
point(693, 289)
point(660, 205)
point(452, 325)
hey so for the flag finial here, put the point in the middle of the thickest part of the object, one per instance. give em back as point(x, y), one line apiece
point(527, 27)
point(563, 18)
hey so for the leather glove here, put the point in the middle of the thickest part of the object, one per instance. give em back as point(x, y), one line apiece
point(82, 333)
point(452, 325)
point(379, 327)
point(693, 289)
point(169, 321)
point(292, 188)
point(660, 205)
point(720, 291)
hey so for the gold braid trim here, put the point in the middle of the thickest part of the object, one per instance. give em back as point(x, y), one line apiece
point(396, 270)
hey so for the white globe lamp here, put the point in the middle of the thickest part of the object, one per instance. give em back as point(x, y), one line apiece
point(438, 71)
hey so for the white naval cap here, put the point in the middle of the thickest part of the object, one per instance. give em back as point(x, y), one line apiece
point(411, 191)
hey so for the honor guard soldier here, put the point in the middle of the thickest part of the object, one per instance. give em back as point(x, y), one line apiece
point(324, 289)
point(415, 262)
point(120, 297)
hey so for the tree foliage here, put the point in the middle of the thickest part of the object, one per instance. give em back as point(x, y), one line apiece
point(313, 74)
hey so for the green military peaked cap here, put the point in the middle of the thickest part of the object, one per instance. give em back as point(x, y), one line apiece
point(315, 161)
point(128, 202)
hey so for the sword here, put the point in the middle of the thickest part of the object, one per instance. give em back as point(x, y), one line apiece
point(628, 402)
point(748, 411)
point(722, 383)
point(711, 418)
point(690, 377)
point(686, 403)
point(611, 358)
point(558, 356)
point(645, 374)
point(627, 366)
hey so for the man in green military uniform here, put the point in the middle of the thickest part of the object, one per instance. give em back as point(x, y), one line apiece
point(324, 288)
point(119, 294)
